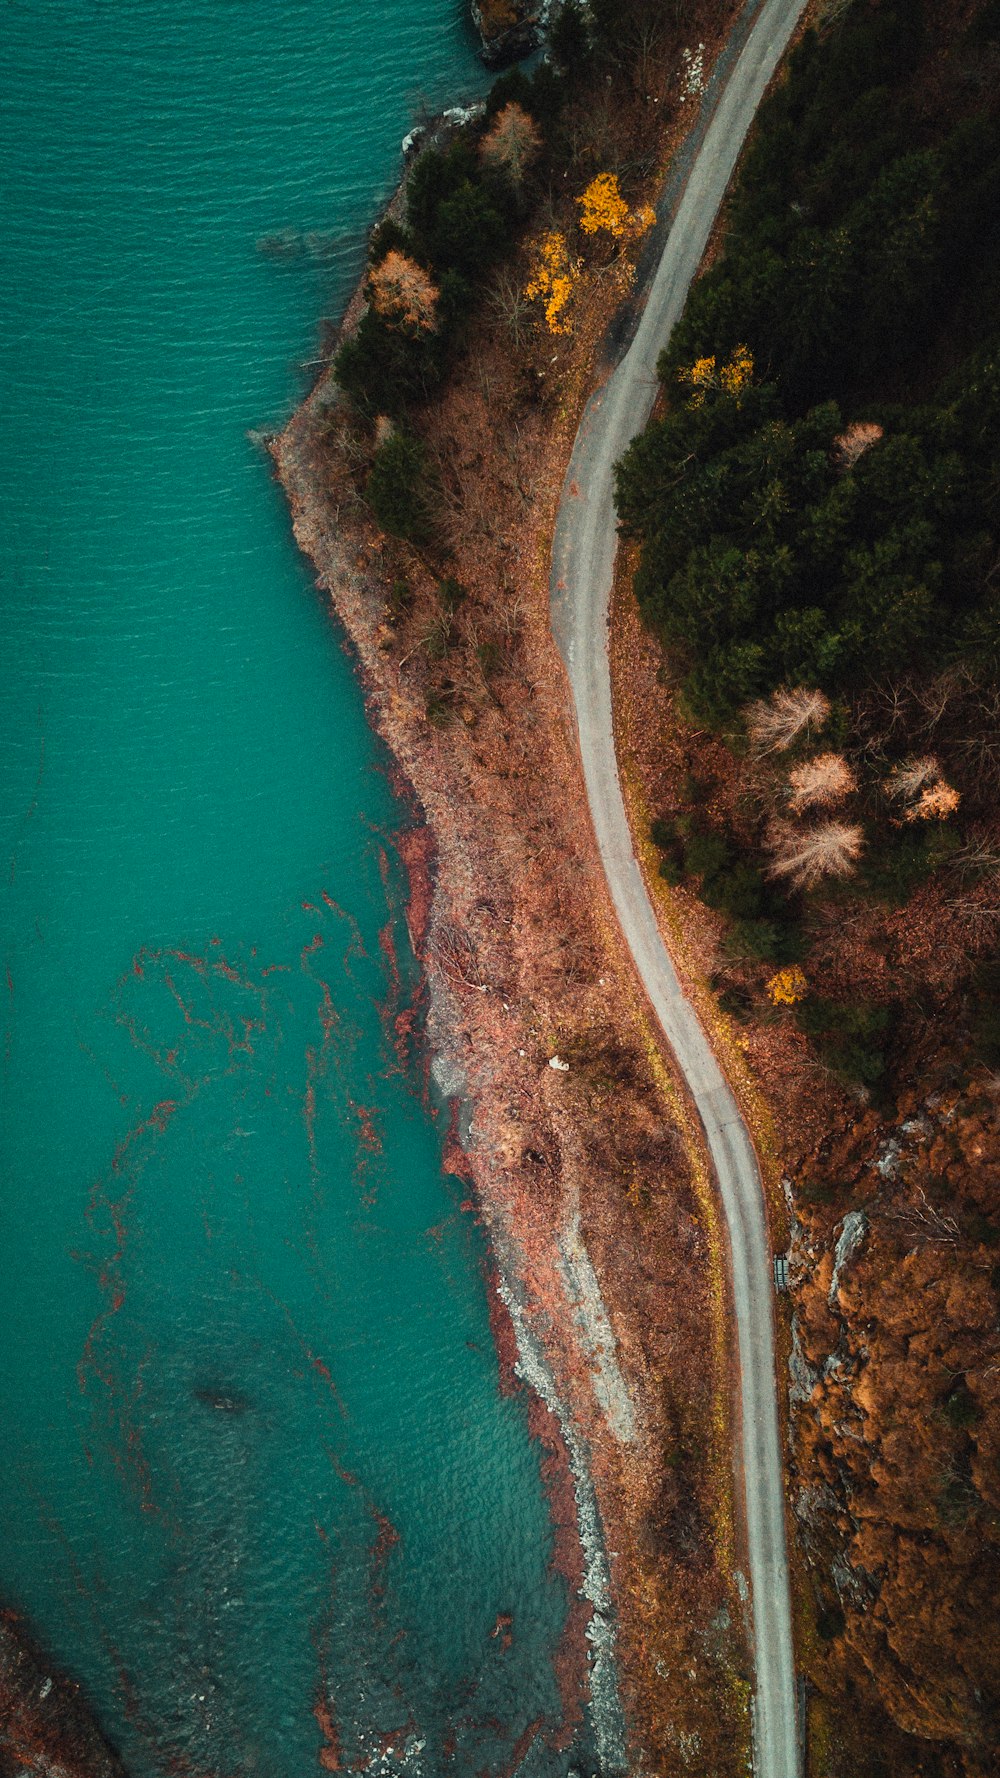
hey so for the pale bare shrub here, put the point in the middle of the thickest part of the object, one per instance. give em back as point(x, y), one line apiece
point(906, 781)
point(919, 784)
point(825, 779)
point(774, 723)
point(855, 441)
point(805, 856)
point(402, 291)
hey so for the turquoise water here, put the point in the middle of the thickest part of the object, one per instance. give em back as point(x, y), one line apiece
point(256, 1454)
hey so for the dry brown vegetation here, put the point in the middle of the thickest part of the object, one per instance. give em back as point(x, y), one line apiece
point(526, 962)
point(895, 1408)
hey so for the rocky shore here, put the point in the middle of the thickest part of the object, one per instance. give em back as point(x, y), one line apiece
point(509, 29)
point(45, 1726)
point(587, 1166)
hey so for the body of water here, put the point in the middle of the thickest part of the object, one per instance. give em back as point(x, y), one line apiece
point(258, 1469)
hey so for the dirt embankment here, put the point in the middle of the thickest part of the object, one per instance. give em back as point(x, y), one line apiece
point(589, 1174)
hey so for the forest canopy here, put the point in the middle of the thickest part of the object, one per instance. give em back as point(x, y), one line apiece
point(835, 514)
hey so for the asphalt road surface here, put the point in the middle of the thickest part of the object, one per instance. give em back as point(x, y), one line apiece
point(582, 566)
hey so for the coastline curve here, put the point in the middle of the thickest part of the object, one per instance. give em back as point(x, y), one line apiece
point(583, 557)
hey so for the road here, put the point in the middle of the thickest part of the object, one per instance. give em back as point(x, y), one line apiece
point(582, 567)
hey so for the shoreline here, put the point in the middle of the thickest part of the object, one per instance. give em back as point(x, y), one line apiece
point(570, 1344)
point(588, 1638)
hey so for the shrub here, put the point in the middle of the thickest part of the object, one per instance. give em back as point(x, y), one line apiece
point(569, 42)
point(961, 1409)
point(981, 1230)
point(904, 859)
point(456, 224)
point(383, 368)
point(387, 236)
point(737, 889)
point(705, 854)
point(451, 592)
point(664, 834)
point(985, 1021)
point(760, 939)
point(852, 1040)
point(400, 597)
point(399, 489)
point(736, 1001)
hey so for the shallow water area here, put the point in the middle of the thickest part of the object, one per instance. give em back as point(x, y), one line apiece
point(263, 1491)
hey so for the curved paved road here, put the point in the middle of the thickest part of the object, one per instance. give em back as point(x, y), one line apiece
point(582, 566)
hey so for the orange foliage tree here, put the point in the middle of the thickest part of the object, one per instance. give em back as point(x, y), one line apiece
point(921, 786)
point(402, 292)
point(512, 142)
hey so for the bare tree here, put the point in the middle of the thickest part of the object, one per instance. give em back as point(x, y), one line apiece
point(827, 778)
point(906, 781)
point(455, 955)
point(776, 722)
point(854, 441)
point(806, 856)
point(511, 306)
point(925, 1221)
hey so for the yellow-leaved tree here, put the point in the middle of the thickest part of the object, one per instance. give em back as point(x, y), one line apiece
point(706, 374)
point(553, 275)
point(788, 987)
point(604, 210)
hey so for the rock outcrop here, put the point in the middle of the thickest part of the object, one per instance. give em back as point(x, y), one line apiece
point(508, 29)
point(895, 1427)
point(45, 1726)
